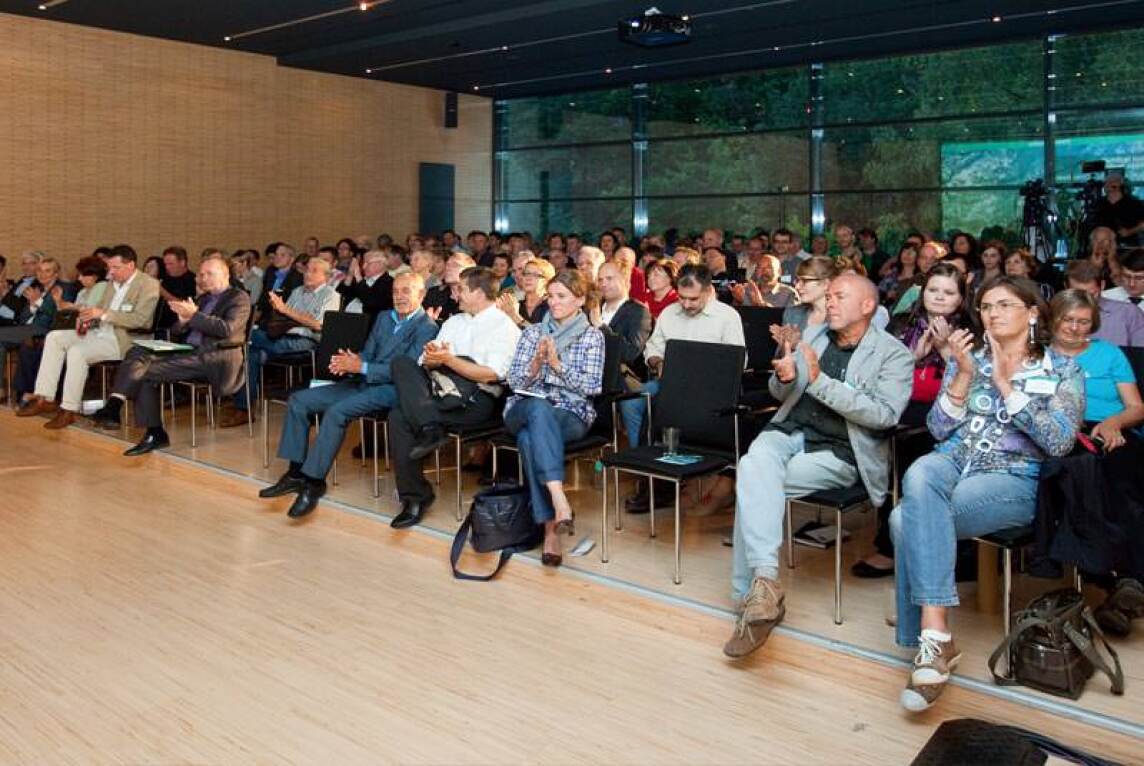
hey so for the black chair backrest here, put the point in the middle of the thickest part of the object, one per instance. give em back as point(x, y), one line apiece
point(340, 329)
point(613, 383)
point(761, 347)
point(698, 392)
point(1135, 356)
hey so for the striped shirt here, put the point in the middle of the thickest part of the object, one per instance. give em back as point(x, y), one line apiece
point(315, 303)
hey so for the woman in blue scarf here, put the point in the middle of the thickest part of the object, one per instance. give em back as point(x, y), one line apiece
point(558, 366)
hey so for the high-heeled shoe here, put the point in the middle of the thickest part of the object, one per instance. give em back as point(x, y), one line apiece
point(551, 559)
point(566, 526)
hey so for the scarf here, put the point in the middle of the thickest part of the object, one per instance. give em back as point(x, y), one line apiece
point(565, 334)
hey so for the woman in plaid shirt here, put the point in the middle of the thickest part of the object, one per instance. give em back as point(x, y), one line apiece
point(558, 366)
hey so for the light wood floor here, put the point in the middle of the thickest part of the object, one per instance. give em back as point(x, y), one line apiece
point(158, 612)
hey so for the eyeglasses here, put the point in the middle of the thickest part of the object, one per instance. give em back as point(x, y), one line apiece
point(1004, 306)
point(1077, 322)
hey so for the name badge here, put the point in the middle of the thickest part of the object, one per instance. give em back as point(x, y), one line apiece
point(786, 279)
point(127, 307)
point(1041, 385)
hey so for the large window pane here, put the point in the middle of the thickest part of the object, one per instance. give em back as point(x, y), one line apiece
point(977, 152)
point(736, 215)
point(1115, 136)
point(756, 101)
point(1000, 78)
point(894, 214)
point(1099, 69)
point(578, 118)
point(589, 218)
point(586, 171)
point(763, 162)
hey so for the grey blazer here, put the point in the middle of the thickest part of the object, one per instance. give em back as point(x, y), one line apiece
point(877, 389)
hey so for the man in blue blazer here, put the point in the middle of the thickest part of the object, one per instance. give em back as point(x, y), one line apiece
point(402, 331)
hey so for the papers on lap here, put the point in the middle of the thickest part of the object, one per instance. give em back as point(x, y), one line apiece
point(163, 346)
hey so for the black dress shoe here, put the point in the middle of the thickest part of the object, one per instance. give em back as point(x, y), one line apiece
point(430, 440)
point(150, 443)
point(307, 499)
point(411, 513)
point(869, 571)
point(106, 422)
point(284, 486)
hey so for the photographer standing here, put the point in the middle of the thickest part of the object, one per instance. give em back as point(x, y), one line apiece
point(1120, 211)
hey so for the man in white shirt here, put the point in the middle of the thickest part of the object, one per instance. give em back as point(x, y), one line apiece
point(102, 332)
point(698, 315)
point(469, 356)
point(1131, 287)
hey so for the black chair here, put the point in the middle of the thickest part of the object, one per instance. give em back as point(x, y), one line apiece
point(340, 330)
point(761, 348)
point(1008, 540)
point(842, 502)
point(462, 435)
point(699, 394)
point(605, 430)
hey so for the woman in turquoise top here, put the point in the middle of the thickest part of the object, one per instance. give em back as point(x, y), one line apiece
point(1113, 407)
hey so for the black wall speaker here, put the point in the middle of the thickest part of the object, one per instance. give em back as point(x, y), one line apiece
point(450, 110)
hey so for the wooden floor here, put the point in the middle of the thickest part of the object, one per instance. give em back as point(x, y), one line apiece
point(154, 611)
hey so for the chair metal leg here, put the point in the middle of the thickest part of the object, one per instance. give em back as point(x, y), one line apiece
point(617, 500)
point(789, 537)
point(651, 508)
point(361, 435)
point(194, 431)
point(211, 407)
point(385, 434)
point(838, 567)
point(265, 431)
point(376, 476)
point(1007, 588)
point(678, 534)
point(249, 401)
point(604, 518)
point(460, 477)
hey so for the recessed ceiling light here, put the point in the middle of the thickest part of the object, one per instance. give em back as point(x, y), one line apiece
point(226, 39)
point(476, 87)
point(608, 70)
point(369, 71)
point(996, 19)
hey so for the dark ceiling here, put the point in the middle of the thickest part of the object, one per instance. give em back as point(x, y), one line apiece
point(527, 47)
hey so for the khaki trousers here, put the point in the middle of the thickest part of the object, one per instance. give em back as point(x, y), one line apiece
point(79, 352)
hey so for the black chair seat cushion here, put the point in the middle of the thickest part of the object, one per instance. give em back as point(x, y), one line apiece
point(378, 415)
point(645, 459)
point(838, 499)
point(1014, 537)
point(476, 432)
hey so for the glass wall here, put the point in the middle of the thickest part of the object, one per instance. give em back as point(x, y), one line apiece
point(939, 141)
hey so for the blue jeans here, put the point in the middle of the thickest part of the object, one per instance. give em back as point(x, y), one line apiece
point(541, 432)
point(633, 411)
point(775, 467)
point(261, 349)
point(939, 507)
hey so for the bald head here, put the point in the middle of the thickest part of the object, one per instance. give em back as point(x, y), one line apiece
point(851, 301)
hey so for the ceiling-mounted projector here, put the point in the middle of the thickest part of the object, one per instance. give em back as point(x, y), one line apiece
point(655, 29)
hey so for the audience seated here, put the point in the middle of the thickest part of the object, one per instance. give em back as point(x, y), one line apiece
point(441, 301)
point(840, 388)
point(29, 261)
point(532, 306)
point(762, 287)
point(661, 275)
point(900, 276)
point(928, 254)
point(812, 277)
point(625, 258)
point(214, 324)
point(36, 308)
point(590, 259)
point(624, 317)
point(103, 332)
point(925, 331)
point(557, 367)
point(1003, 409)
point(696, 316)
point(295, 325)
point(280, 278)
point(1130, 281)
point(1021, 263)
point(176, 283)
point(367, 288)
point(1120, 323)
point(402, 331)
point(455, 383)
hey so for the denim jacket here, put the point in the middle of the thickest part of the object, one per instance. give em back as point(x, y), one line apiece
point(1039, 419)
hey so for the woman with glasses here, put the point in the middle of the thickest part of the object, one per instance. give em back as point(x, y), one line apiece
point(531, 309)
point(811, 279)
point(1007, 403)
point(1113, 408)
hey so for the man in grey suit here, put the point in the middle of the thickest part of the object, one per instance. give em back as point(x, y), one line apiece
point(401, 331)
point(215, 325)
point(840, 391)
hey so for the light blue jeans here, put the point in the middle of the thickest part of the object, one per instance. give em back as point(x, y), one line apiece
point(775, 468)
point(939, 507)
point(633, 412)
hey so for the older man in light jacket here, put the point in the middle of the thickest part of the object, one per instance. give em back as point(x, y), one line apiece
point(840, 389)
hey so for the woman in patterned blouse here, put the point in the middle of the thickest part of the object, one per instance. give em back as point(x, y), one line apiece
point(558, 366)
point(1003, 409)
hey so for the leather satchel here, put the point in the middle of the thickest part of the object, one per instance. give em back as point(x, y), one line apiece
point(500, 518)
point(1053, 647)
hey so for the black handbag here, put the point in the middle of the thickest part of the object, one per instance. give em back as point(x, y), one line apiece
point(1052, 647)
point(500, 518)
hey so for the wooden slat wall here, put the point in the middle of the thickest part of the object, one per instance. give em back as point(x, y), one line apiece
point(107, 137)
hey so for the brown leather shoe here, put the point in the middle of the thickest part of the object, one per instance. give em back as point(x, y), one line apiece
point(234, 418)
point(63, 419)
point(37, 406)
